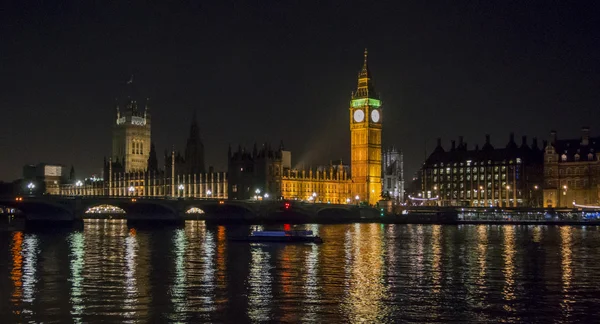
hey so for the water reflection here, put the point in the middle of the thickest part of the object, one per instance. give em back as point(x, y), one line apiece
point(31, 250)
point(365, 289)
point(508, 292)
point(77, 261)
point(16, 274)
point(368, 273)
point(566, 252)
point(259, 284)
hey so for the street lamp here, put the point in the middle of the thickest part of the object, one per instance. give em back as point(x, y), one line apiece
point(266, 195)
point(208, 193)
point(314, 195)
point(348, 200)
point(78, 185)
point(181, 187)
point(357, 199)
point(131, 190)
point(31, 186)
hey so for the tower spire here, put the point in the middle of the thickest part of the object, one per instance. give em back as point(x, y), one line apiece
point(365, 88)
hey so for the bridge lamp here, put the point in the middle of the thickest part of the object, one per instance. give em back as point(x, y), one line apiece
point(357, 197)
point(31, 186)
point(347, 200)
point(266, 195)
point(181, 187)
point(208, 192)
point(131, 189)
point(257, 191)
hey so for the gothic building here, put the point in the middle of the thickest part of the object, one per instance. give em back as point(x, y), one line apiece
point(194, 150)
point(572, 171)
point(270, 171)
point(505, 177)
point(393, 174)
point(131, 136)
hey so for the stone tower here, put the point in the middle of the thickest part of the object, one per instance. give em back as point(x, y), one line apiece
point(365, 138)
point(194, 150)
point(131, 134)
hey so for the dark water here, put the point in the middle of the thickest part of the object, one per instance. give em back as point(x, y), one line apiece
point(362, 273)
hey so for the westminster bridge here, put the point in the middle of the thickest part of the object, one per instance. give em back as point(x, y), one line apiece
point(55, 209)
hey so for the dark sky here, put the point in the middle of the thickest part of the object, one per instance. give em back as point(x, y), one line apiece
point(284, 70)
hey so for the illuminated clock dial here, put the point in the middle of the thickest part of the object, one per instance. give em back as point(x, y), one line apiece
point(375, 116)
point(359, 115)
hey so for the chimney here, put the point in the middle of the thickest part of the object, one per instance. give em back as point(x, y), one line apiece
point(512, 137)
point(534, 144)
point(460, 142)
point(487, 138)
point(439, 142)
point(453, 145)
point(585, 136)
point(552, 137)
point(524, 141)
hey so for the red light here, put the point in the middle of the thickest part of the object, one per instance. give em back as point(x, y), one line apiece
point(287, 205)
point(286, 227)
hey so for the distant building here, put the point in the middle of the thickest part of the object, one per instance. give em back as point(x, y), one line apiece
point(572, 171)
point(393, 174)
point(503, 177)
point(264, 170)
point(46, 178)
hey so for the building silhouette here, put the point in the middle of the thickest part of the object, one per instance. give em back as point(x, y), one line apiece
point(393, 174)
point(506, 177)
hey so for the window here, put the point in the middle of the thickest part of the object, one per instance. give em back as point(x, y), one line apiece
point(590, 156)
point(564, 157)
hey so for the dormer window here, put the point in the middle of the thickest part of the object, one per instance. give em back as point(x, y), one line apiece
point(564, 158)
point(576, 157)
point(590, 157)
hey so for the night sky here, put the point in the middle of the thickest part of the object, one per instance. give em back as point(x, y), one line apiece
point(259, 71)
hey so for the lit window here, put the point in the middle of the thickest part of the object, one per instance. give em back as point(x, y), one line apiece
point(564, 157)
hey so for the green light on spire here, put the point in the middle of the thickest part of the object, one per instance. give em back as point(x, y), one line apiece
point(366, 101)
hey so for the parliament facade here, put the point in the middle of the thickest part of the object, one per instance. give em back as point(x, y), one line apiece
point(266, 170)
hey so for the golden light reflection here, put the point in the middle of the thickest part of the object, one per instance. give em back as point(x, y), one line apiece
point(537, 234)
point(222, 261)
point(509, 251)
point(566, 252)
point(366, 292)
point(482, 246)
point(436, 246)
point(16, 274)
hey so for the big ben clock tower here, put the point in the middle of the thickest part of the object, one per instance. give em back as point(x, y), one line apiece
point(365, 138)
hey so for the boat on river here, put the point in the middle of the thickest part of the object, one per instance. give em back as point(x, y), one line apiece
point(280, 237)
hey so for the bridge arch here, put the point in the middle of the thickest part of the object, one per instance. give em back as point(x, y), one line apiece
point(105, 209)
point(335, 213)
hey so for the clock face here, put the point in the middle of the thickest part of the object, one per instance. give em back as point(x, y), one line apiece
point(375, 116)
point(359, 115)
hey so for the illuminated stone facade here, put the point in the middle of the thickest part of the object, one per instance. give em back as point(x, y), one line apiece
point(131, 137)
point(393, 174)
point(365, 138)
point(572, 171)
point(264, 170)
point(504, 177)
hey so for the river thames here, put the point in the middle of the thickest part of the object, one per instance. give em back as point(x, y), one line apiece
point(368, 273)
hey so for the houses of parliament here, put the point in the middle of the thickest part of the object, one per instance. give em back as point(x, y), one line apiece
point(133, 169)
